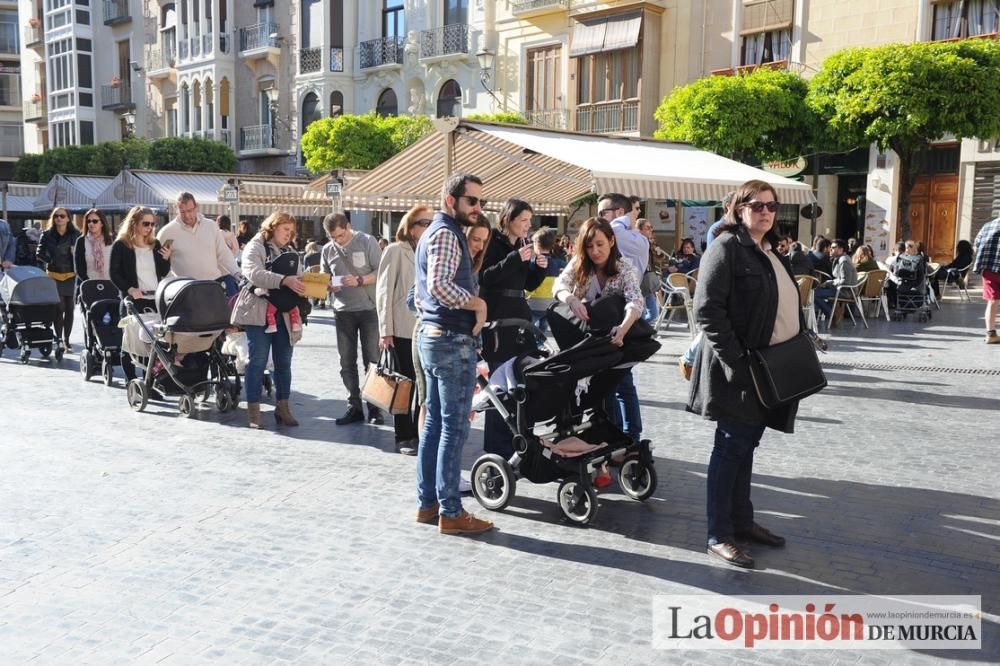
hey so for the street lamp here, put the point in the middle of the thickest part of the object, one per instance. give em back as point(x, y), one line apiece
point(129, 118)
point(487, 59)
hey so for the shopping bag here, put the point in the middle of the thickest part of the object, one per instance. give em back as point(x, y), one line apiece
point(386, 388)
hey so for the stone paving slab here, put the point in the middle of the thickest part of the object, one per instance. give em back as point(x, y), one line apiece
point(149, 538)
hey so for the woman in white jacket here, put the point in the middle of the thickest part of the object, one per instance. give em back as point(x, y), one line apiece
point(396, 275)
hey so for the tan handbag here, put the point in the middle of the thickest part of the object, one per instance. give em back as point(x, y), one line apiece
point(385, 388)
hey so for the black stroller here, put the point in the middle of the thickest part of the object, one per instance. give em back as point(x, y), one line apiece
point(177, 347)
point(29, 303)
point(102, 339)
point(554, 397)
point(911, 288)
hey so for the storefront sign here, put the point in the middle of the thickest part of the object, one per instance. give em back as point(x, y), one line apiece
point(787, 169)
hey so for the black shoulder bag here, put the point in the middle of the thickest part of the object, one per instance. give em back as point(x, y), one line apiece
point(786, 372)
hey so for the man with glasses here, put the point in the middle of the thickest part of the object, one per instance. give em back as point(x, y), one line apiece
point(198, 248)
point(352, 257)
point(844, 272)
point(451, 316)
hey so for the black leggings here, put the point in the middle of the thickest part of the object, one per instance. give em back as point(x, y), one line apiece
point(64, 317)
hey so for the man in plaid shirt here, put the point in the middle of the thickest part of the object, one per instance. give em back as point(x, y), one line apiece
point(987, 248)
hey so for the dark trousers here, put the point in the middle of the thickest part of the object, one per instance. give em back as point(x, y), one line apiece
point(64, 317)
point(730, 510)
point(352, 328)
point(405, 425)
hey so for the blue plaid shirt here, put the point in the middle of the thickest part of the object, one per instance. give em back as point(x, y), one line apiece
point(987, 247)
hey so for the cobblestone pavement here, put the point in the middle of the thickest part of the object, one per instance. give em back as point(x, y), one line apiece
point(140, 538)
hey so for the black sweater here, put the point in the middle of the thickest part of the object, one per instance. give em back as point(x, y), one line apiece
point(122, 270)
point(503, 270)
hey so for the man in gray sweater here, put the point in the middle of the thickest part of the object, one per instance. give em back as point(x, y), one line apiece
point(352, 258)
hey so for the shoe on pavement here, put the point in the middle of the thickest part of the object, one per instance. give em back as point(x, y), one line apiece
point(407, 447)
point(992, 338)
point(684, 368)
point(428, 516)
point(758, 534)
point(375, 416)
point(465, 523)
point(731, 554)
point(464, 486)
point(352, 415)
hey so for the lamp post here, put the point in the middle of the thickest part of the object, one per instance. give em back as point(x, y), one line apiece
point(129, 118)
point(487, 60)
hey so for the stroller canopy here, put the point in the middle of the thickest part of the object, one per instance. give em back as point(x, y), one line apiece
point(187, 305)
point(27, 285)
point(92, 291)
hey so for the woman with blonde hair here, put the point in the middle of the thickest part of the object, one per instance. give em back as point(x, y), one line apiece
point(55, 251)
point(396, 276)
point(262, 257)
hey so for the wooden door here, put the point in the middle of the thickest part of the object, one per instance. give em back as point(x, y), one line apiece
point(934, 215)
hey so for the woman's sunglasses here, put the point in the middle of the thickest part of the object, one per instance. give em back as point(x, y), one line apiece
point(758, 206)
point(61, 215)
point(148, 224)
point(93, 221)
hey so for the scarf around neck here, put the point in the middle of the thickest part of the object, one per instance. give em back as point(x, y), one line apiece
point(96, 247)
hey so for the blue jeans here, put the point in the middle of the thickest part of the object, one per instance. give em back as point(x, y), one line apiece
point(693, 349)
point(279, 347)
point(730, 510)
point(820, 296)
point(624, 408)
point(449, 363)
point(652, 310)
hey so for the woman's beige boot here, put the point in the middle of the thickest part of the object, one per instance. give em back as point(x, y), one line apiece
point(253, 414)
point(283, 415)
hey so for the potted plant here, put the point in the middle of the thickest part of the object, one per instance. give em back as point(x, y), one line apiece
point(36, 98)
point(34, 22)
point(115, 81)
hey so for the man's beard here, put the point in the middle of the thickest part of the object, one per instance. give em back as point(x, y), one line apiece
point(463, 218)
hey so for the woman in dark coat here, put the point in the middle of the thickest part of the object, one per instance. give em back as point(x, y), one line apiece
point(55, 252)
point(509, 268)
point(746, 298)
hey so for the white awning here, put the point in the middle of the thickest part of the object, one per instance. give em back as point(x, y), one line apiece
point(551, 169)
point(609, 33)
point(21, 198)
point(76, 193)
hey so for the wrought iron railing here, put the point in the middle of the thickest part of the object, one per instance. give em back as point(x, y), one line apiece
point(608, 117)
point(453, 38)
point(310, 60)
point(116, 96)
point(336, 59)
point(115, 11)
point(548, 118)
point(257, 137)
point(258, 36)
point(382, 51)
point(226, 137)
point(155, 59)
point(522, 6)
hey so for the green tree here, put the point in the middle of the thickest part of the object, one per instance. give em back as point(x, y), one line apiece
point(359, 141)
point(27, 168)
point(760, 115)
point(182, 154)
point(112, 156)
point(66, 160)
point(903, 96)
point(508, 117)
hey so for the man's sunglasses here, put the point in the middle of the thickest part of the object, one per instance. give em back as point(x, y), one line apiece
point(473, 201)
point(601, 213)
point(758, 206)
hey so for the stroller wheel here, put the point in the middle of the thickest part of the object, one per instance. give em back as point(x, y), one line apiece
point(637, 480)
point(86, 371)
point(108, 372)
point(45, 350)
point(185, 405)
point(224, 400)
point(578, 502)
point(136, 394)
point(493, 482)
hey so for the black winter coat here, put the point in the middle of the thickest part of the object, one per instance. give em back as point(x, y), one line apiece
point(122, 270)
point(735, 304)
point(56, 252)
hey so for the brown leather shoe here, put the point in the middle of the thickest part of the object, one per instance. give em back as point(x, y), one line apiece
point(253, 415)
point(684, 368)
point(731, 554)
point(428, 516)
point(283, 415)
point(466, 523)
point(759, 534)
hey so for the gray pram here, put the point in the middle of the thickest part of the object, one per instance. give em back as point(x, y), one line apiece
point(29, 304)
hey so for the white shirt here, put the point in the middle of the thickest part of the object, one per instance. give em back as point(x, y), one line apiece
point(198, 252)
point(145, 268)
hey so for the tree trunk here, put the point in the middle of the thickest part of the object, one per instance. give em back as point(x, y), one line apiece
point(911, 162)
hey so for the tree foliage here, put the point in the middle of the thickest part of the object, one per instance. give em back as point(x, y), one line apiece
point(108, 158)
point(903, 96)
point(508, 117)
point(757, 115)
point(359, 141)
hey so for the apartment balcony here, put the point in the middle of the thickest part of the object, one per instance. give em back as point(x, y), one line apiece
point(557, 119)
point(117, 97)
point(450, 41)
point(34, 111)
point(614, 117)
point(258, 140)
point(159, 63)
point(383, 52)
point(531, 8)
point(746, 69)
point(336, 59)
point(116, 11)
point(34, 37)
point(310, 60)
point(259, 42)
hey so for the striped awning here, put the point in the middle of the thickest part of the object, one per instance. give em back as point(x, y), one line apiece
point(551, 169)
point(291, 197)
point(76, 193)
point(21, 199)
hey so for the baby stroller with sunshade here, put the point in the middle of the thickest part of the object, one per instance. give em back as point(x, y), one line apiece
point(177, 347)
point(555, 406)
point(911, 287)
point(29, 304)
point(102, 338)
